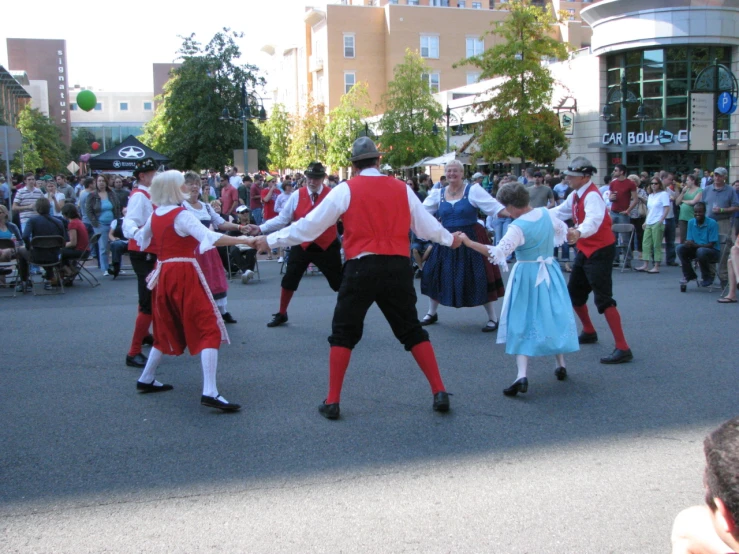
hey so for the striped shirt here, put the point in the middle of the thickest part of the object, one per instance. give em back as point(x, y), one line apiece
point(25, 198)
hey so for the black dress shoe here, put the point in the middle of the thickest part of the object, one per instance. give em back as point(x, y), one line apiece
point(329, 411)
point(115, 269)
point(277, 319)
point(618, 357)
point(148, 341)
point(219, 403)
point(587, 338)
point(151, 387)
point(441, 402)
point(560, 373)
point(139, 360)
point(228, 318)
point(522, 385)
point(429, 319)
point(491, 327)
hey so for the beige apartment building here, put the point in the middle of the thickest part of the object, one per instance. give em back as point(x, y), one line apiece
point(355, 41)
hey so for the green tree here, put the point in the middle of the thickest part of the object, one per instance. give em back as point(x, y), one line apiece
point(518, 120)
point(42, 143)
point(186, 125)
point(82, 140)
point(278, 129)
point(307, 143)
point(345, 123)
point(406, 127)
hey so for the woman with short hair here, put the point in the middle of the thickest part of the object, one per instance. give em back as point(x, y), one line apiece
point(658, 205)
point(184, 312)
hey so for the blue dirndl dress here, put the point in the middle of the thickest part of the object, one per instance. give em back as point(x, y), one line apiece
point(537, 317)
point(461, 278)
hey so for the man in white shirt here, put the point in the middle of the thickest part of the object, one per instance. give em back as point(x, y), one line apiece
point(378, 213)
point(233, 177)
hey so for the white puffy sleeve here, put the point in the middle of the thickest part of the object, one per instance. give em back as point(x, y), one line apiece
point(142, 235)
point(186, 224)
point(511, 240)
point(560, 230)
point(480, 198)
point(215, 219)
point(431, 202)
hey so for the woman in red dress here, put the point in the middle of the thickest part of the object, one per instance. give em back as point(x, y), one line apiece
point(183, 310)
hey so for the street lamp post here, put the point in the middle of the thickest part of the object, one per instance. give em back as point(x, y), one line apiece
point(245, 115)
point(459, 131)
point(622, 96)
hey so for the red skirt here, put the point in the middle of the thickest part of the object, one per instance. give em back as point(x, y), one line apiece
point(215, 276)
point(183, 311)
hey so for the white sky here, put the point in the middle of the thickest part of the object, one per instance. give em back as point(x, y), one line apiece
point(111, 46)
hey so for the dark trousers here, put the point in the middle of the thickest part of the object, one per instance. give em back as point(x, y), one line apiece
point(117, 249)
point(705, 257)
point(241, 260)
point(328, 261)
point(593, 274)
point(387, 280)
point(670, 240)
point(143, 264)
point(637, 222)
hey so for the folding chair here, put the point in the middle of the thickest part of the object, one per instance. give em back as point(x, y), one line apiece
point(78, 266)
point(624, 249)
point(46, 248)
point(10, 268)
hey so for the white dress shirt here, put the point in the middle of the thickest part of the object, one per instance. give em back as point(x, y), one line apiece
point(138, 211)
point(595, 211)
point(185, 224)
point(337, 201)
point(477, 196)
point(285, 216)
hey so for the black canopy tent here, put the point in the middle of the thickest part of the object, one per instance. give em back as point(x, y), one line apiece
point(123, 158)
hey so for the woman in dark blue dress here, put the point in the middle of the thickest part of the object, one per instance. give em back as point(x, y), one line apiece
point(461, 278)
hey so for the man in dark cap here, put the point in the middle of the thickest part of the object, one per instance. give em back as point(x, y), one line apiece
point(596, 251)
point(324, 252)
point(138, 212)
point(378, 212)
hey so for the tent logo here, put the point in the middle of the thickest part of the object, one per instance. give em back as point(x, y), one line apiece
point(116, 164)
point(131, 152)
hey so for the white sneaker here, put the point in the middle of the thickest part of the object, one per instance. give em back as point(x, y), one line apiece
point(247, 276)
point(106, 274)
point(280, 260)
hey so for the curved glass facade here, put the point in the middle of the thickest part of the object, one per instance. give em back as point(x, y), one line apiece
point(662, 78)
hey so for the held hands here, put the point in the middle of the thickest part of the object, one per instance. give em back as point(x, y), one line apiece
point(251, 230)
point(259, 243)
point(459, 237)
point(573, 235)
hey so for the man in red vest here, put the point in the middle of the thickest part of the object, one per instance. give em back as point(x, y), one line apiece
point(138, 212)
point(377, 211)
point(324, 252)
point(594, 261)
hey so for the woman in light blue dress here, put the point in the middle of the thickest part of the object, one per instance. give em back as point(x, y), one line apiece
point(537, 317)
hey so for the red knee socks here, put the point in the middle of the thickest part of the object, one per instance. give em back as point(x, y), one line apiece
point(424, 355)
point(140, 330)
point(338, 361)
point(285, 297)
point(582, 313)
point(614, 322)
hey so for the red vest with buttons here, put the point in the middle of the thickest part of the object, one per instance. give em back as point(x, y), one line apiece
point(378, 218)
point(304, 207)
point(603, 236)
point(132, 244)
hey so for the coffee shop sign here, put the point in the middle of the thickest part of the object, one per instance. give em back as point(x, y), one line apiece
point(663, 137)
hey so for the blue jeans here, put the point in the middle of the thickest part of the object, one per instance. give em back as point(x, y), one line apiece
point(117, 249)
point(500, 225)
point(705, 257)
point(256, 215)
point(623, 238)
point(103, 246)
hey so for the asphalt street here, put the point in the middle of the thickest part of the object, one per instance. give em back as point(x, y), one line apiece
point(601, 462)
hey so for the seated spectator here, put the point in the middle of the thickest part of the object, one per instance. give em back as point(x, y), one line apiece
point(714, 527)
point(701, 244)
point(243, 258)
point(421, 250)
point(10, 231)
point(77, 243)
point(118, 244)
point(733, 265)
point(44, 225)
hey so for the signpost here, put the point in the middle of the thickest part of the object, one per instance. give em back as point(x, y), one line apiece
point(726, 103)
point(702, 135)
point(10, 142)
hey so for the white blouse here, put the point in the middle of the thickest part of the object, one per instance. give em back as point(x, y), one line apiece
point(477, 196)
point(514, 237)
point(205, 212)
point(185, 224)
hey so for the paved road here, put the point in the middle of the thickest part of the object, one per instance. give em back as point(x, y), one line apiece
point(599, 463)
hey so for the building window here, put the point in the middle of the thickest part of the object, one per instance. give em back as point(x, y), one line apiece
point(123, 106)
point(461, 4)
point(475, 46)
point(394, 2)
point(147, 106)
point(73, 107)
point(570, 14)
point(439, 3)
point(476, 5)
point(413, 2)
point(432, 80)
point(98, 107)
point(350, 79)
point(473, 77)
point(429, 46)
point(349, 45)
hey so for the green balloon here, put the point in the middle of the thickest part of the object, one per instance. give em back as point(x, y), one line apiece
point(86, 100)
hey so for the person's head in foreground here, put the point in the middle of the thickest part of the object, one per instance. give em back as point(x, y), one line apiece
point(715, 526)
